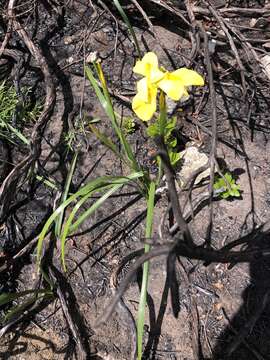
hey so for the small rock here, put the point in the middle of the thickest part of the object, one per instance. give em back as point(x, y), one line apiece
point(192, 160)
point(266, 45)
point(259, 23)
point(265, 62)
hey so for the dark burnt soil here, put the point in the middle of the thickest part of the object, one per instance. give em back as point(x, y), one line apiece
point(225, 297)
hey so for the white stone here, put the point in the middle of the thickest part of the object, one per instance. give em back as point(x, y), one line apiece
point(192, 159)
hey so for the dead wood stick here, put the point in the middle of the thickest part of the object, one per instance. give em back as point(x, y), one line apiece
point(172, 9)
point(232, 45)
point(7, 37)
point(181, 249)
point(194, 35)
point(234, 11)
point(170, 178)
point(66, 307)
point(212, 159)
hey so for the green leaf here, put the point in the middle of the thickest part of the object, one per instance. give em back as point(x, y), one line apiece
point(70, 228)
point(19, 309)
point(153, 130)
point(231, 189)
point(5, 298)
point(143, 294)
point(95, 185)
point(174, 157)
point(106, 141)
point(171, 142)
point(58, 221)
point(105, 100)
point(127, 22)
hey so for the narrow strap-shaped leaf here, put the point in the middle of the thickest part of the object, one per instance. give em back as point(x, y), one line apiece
point(5, 298)
point(58, 221)
point(106, 141)
point(68, 229)
point(130, 27)
point(143, 294)
point(96, 184)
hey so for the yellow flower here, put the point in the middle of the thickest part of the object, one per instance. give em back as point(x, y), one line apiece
point(174, 84)
point(148, 67)
point(144, 103)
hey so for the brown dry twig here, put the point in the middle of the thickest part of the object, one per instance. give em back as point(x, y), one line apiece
point(181, 249)
point(66, 307)
point(122, 310)
point(232, 45)
point(170, 178)
point(213, 154)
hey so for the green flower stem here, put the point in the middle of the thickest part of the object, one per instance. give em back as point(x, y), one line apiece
point(143, 295)
point(163, 113)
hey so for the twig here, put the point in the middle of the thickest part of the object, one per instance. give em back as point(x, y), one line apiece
point(233, 47)
point(234, 11)
point(212, 159)
point(67, 312)
point(170, 178)
point(7, 35)
point(171, 9)
point(181, 248)
point(194, 35)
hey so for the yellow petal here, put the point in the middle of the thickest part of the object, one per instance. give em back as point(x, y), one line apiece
point(172, 87)
point(148, 67)
point(145, 109)
point(156, 75)
point(150, 58)
point(188, 77)
point(142, 89)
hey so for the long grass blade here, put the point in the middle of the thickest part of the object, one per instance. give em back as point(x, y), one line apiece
point(19, 309)
point(6, 298)
point(59, 220)
point(143, 294)
point(94, 185)
point(69, 229)
point(106, 141)
point(130, 27)
point(105, 100)
point(18, 134)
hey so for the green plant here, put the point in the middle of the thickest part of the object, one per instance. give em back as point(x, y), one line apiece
point(104, 186)
point(155, 84)
point(75, 136)
point(29, 298)
point(227, 183)
point(9, 101)
point(154, 130)
point(128, 125)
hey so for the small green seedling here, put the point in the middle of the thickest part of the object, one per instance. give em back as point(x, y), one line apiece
point(9, 103)
point(231, 189)
point(170, 140)
point(128, 125)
